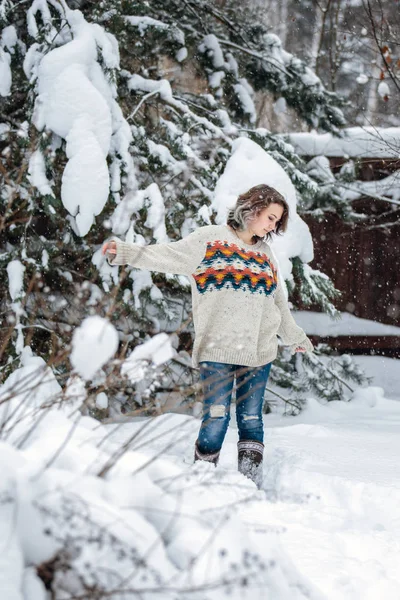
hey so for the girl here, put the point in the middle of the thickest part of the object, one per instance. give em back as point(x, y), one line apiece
point(239, 308)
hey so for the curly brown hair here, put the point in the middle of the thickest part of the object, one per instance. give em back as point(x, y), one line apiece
point(250, 204)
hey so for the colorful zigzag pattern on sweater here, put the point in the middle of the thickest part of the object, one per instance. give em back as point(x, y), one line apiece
point(227, 266)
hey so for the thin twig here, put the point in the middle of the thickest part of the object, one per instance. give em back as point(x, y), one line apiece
point(146, 97)
point(381, 52)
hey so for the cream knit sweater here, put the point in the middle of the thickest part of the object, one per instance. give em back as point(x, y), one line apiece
point(239, 306)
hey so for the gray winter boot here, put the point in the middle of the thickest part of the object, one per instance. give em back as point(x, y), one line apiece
point(212, 458)
point(250, 459)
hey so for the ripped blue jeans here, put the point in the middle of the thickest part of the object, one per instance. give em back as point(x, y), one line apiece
point(217, 382)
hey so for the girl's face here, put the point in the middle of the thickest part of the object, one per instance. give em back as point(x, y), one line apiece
point(266, 220)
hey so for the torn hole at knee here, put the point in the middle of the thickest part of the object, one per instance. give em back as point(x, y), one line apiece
point(217, 411)
point(250, 418)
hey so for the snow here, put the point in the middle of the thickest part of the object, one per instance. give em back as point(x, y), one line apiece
point(334, 473)
point(37, 174)
point(73, 96)
point(319, 168)
point(141, 280)
point(42, 7)
point(383, 90)
point(374, 142)
point(102, 400)
point(138, 83)
point(4, 129)
point(45, 258)
point(156, 351)
point(86, 180)
point(215, 79)
point(33, 588)
point(251, 165)
point(389, 186)
point(144, 22)
point(94, 343)
point(124, 502)
point(323, 325)
point(245, 100)
point(181, 54)
point(211, 47)
point(163, 154)
point(133, 202)
point(11, 560)
point(156, 213)
point(108, 274)
point(76, 101)
point(5, 73)
point(26, 392)
point(384, 372)
point(309, 78)
point(362, 79)
point(15, 272)
point(9, 38)
point(324, 526)
point(162, 87)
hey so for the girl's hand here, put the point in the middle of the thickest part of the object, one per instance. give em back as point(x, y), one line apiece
point(110, 247)
point(300, 349)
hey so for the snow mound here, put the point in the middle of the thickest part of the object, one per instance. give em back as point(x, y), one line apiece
point(251, 165)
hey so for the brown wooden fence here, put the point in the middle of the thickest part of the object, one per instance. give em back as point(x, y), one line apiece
point(363, 260)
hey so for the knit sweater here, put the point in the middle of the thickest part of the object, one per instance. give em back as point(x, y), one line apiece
point(239, 306)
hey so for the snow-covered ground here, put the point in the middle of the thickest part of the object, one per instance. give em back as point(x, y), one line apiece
point(132, 512)
point(330, 506)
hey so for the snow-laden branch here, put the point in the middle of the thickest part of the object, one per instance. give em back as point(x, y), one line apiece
point(258, 55)
point(163, 89)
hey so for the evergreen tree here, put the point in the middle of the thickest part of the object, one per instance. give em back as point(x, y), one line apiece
point(120, 118)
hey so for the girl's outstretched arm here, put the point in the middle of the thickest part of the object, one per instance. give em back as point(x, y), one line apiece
point(180, 258)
